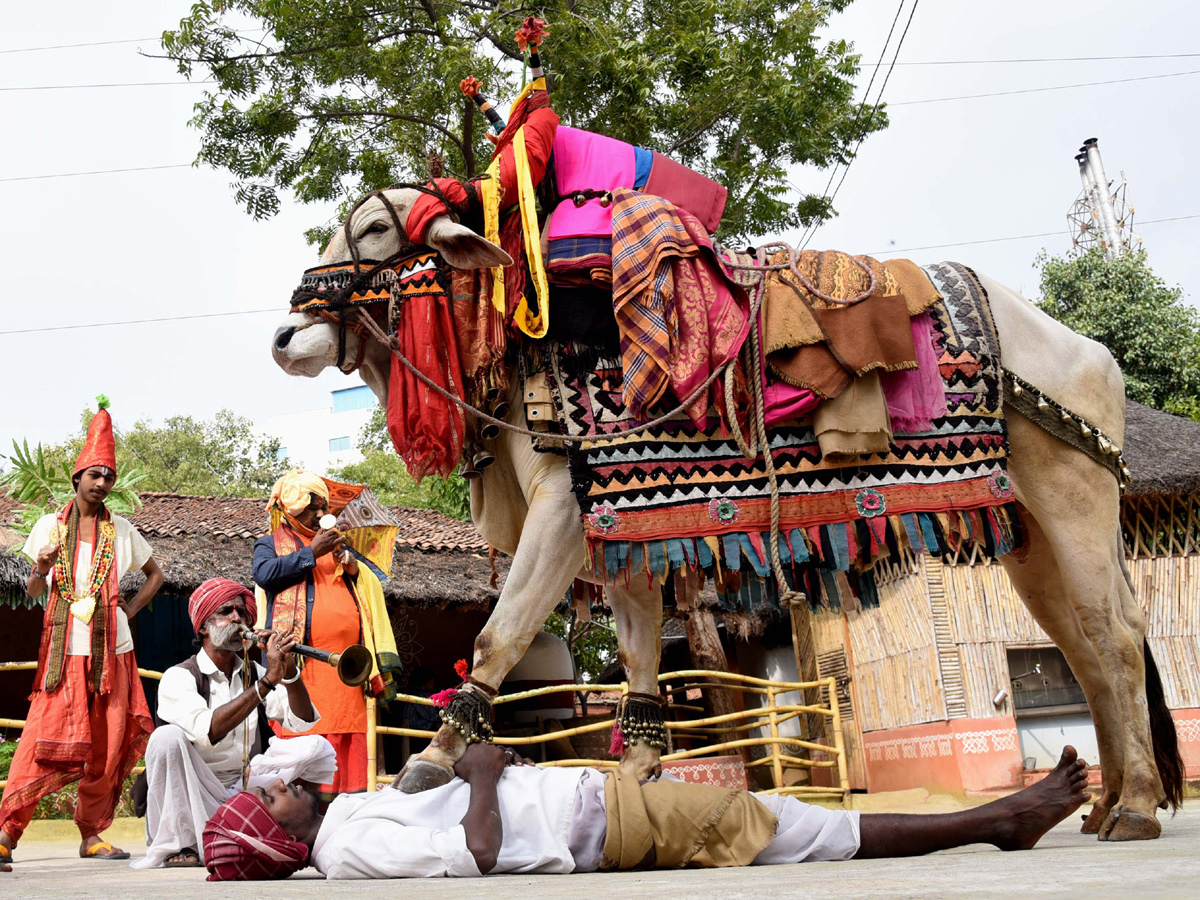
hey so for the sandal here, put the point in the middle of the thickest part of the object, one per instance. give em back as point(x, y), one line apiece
point(187, 858)
point(103, 850)
point(6, 855)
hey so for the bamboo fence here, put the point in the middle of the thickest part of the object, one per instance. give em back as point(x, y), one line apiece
point(719, 733)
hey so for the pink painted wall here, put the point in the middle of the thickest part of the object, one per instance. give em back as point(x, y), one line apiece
point(1187, 725)
point(955, 756)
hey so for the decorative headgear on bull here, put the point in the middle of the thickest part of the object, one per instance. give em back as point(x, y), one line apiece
point(518, 164)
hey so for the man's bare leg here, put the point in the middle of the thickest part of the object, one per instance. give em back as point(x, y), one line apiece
point(1016, 822)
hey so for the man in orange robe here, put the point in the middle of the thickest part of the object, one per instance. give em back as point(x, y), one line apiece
point(309, 579)
point(88, 720)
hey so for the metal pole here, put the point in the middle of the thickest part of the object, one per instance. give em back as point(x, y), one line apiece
point(1102, 201)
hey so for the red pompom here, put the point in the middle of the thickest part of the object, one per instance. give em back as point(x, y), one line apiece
point(530, 33)
point(461, 668)
point(469, 85)
point(442, 698)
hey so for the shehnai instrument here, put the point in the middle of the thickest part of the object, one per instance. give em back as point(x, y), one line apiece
point(353, 664)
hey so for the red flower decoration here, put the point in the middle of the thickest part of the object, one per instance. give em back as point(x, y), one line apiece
point(461, 668)
point(469, 86)
point(442, 698)
point(530, 33)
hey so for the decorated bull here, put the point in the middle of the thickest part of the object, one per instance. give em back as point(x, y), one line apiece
point(650, 402)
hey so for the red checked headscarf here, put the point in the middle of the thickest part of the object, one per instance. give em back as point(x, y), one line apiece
point(243, 842)
point(215, 593)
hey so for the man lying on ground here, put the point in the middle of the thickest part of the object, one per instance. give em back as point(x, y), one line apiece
point(214, 729)
point(494, 818)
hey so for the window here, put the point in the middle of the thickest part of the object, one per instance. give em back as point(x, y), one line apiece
point(281, 454)
point(342, 443)
point(353, 398)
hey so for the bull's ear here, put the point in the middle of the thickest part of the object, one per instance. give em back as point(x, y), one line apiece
point(463, 248)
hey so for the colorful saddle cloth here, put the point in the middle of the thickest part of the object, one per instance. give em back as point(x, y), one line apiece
point(679, 496)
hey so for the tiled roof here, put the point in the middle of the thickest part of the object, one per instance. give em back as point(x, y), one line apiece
point(181, 515)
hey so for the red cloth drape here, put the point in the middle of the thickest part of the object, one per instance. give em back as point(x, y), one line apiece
point(426, 428)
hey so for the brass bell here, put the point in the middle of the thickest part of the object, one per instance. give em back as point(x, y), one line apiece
point(500, 410)
point(1105, 444)
point(1085, 429)
point(1042, 405)
point(489, 431)
point(467, 469)
point(1065, 416)
point(1115, 451)
point(483, 459)
point(1017, 389)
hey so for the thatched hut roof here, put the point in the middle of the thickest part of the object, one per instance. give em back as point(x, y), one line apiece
point(1162, 451)
point(438, 562)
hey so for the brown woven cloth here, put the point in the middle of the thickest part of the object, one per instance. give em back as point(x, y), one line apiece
point(670, 824)
point(871, 335)
point(814, 344)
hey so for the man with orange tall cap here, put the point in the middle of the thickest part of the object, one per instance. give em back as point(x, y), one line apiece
point(88, 720)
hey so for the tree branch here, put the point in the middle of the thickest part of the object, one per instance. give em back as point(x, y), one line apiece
point(399, 117)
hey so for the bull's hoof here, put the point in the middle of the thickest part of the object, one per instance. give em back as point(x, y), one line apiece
point(421, 775)
point(1122, 825)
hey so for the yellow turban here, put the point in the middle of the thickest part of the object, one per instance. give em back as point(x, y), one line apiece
point(292, 492)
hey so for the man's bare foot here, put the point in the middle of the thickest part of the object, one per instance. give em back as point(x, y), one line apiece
point(1027, 815)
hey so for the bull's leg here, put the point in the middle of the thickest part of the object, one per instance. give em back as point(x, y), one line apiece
point(1077, 505)
point(1039, 583)
point(549, 555)
point(637, 612)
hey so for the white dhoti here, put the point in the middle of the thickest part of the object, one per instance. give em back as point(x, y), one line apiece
point(183, 793)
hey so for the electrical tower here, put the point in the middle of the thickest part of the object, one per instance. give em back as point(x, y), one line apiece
point(1101, 215)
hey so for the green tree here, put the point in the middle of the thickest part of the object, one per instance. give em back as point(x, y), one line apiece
point(222, 456)
point(1146, 325)
point(389, 480)
point(593, 644)
point(329, 98)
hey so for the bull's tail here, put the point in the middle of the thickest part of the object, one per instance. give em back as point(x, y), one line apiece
point(1162, 735)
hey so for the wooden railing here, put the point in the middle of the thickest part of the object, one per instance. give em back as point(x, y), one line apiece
point(719, 733)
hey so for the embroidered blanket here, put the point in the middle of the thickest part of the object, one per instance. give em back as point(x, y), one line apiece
point(681, 496)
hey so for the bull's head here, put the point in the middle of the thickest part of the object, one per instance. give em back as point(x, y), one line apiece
point(305, 343)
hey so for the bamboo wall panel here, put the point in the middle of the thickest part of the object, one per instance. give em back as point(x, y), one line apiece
point(895, 648)
point(894, 654)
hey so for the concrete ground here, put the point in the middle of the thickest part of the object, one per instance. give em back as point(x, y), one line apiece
point(1065, 864)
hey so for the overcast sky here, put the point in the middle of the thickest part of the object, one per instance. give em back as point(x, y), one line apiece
point(153, 244)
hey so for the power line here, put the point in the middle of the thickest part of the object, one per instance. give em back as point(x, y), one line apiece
point(157, 37)
point(1057, 87)
point(81, 87)
point(221, 315)
point(1018, 237)
point(861, 107)
point(1045, 59)
point(97, 172)
point(878, 99)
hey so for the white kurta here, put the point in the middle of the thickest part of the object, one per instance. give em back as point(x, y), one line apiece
point(554, 822)
point(131, 553)
point(390, 834)
point(179, 704)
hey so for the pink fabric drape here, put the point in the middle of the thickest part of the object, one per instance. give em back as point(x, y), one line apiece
point(915, 397)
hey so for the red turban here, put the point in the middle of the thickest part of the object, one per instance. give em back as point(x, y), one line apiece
point(243, 842)
point(215, 593)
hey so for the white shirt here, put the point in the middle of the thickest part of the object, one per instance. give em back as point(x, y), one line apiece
point(132, 552)
point(180, 704)
point(390, 834)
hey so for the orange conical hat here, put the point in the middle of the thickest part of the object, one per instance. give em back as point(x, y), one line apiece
point(99, 448)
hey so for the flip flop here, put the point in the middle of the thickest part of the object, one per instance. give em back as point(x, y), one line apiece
point(6, 855)
point(104, 850)
point(191, 860)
